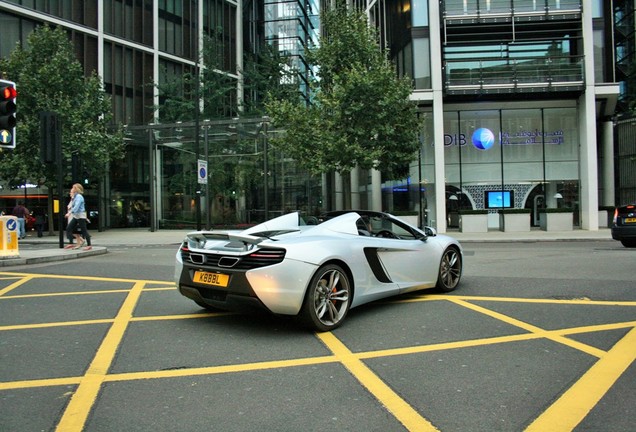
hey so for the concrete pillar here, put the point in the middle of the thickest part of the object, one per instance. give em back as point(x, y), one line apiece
point(376, 190)
point(609, 198)
point(588, 188)
point(354, 177)
point(437, 193)
point(338, 186)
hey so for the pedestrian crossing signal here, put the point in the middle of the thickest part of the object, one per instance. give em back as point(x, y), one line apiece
point(8, 108)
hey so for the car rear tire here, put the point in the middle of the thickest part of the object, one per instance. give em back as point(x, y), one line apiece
point(328, 298)
point(450, 270)
point(628, 243)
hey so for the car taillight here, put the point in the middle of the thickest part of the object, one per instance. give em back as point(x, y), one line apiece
point(615, 215)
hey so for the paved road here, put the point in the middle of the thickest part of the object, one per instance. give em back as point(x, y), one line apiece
point(540, 336)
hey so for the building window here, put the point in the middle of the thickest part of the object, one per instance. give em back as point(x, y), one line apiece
point(421, 63)
point(129, 83)
point(529, 152)
point(129, 19)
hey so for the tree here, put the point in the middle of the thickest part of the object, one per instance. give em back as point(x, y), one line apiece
point(215, 88)
point(267, 75)
point(360, 113)
point(264, 73)
point(50, 78)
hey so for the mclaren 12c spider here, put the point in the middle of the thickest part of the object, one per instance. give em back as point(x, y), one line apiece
point(318, 271)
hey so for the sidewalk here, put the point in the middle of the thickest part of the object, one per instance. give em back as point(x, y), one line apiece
point(37, 250)
point(34, 250)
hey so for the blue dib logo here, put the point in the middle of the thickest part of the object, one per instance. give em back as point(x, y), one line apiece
point(483, 138)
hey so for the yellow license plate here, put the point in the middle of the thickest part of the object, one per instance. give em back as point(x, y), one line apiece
point(216, 279)
point(630, 220)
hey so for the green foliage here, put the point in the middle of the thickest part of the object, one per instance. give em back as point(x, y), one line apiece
point(361, 114)
point(50, 78)
point(267, 75)
point(215, 88)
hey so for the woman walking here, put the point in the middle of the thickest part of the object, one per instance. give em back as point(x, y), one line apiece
point(77, 217)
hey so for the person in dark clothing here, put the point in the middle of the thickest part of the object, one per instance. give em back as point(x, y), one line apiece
point(40, 220)
point(21, 212)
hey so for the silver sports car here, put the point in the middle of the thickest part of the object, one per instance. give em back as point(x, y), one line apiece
point(318, 271)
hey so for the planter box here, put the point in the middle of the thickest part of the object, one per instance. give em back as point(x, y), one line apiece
point(473, 222)
point(561, 221)
point(556, 221)
point(514, 222)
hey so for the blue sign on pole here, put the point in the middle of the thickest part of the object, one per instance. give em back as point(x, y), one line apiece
point(202, 172)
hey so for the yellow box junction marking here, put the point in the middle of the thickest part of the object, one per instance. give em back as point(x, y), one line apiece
point(572, 407)
point(84, 397)
point(397, 406)
point(564, 415)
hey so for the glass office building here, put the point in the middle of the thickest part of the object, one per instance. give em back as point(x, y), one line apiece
point(517, 98)
point(136, 44)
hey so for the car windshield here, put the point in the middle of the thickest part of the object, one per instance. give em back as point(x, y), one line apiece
point(378, 225)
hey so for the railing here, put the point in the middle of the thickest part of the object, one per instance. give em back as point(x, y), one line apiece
point(463, 9)
point(520, 74)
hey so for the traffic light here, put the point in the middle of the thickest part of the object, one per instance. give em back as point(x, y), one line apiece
point(49, 137)
point(8, 108)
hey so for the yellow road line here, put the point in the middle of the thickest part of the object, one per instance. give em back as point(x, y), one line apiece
point(579, 301)
point(84, 278)
point(533, 329)
point(16, 284)
point(213, 370)
point(71, 293)
point(67, 293)
point(418, 349)
point(306, 361)
point(397, 406)
point(574, 405)
point(45, 382)
point(56, 324)
point(83, 399)
point(110, 320)
point(565, 414)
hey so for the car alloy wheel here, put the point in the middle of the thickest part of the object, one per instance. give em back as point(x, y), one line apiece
point(450, 270)
point(328, 298)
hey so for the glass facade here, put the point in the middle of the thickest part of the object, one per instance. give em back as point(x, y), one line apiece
point(130, 20)
point(526, 60)
point(531, 46)
point(247, 181)
point(291, 28)
point(531, 153)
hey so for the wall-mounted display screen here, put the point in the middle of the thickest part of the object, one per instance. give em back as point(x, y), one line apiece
point(499, 199)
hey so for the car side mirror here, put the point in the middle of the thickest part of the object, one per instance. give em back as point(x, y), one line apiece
point(430, 231)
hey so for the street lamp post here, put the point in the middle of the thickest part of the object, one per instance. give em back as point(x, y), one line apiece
point(206, 150)
point(265, 168)
point(151, 174)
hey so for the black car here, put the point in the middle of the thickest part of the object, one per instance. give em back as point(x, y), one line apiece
point(624, 226)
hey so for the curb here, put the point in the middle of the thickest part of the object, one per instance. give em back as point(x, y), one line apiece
point(49, 255)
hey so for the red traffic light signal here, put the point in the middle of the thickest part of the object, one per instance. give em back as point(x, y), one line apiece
point(9, 92)
point(8, 107)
